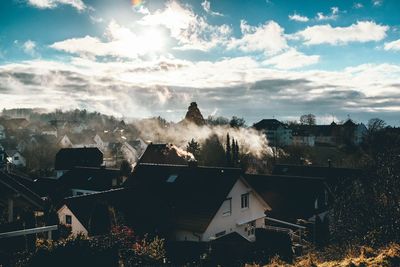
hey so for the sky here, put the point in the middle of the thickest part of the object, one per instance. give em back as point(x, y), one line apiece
point(255, 59)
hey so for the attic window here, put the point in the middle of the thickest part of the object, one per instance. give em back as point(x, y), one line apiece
point(68, 219)
point(245, 201)
point(172, 178)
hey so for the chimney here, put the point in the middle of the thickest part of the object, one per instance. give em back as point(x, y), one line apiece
point(192, 163)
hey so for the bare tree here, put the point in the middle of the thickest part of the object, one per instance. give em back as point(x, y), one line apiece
point(308, 119)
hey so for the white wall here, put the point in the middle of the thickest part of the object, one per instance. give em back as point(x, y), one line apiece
point(76, 225)
point(229, 223)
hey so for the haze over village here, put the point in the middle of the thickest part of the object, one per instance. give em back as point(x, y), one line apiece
point(199, 133)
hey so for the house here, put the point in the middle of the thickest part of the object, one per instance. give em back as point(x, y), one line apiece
point(77, 127)
point(178, 202)
point(2, 132)
point(277, 133)
point(292, 198)
point(330, 135)
point(131, 151)
point(68, 158)
point(16, 158)
point(17, 199)
point(86, 180)
point(302, 137)
point(49, 130)
point(162, 154)
point(65, 142)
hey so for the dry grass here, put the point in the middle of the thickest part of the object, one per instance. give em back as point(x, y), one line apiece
point(354, 257)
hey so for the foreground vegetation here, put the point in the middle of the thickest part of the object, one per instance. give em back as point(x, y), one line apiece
point(388, 256)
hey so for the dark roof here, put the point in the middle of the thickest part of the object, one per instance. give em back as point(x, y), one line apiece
point(161, 154)
point(290, 197)
point(316, 171)
point(193, 194)
point(8, 184)
point(89, 178)
point(268, 124)
point(67, 158)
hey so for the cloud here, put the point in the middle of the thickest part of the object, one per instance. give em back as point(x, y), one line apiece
point(29, 47)
point(236, 86)
point(395, 45)
point(120, 42)
point(377, 2)
point(190, 30)
point(292, 59)
point(362, 31)
point(358, 5)
point(268, 38)
point(44, 4)
point(334, 14)
point(297, 17)
point(207, 8)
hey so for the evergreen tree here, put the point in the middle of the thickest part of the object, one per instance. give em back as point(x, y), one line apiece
point(194, 148)
point(236, 154)
point(228, 150)
point(233, 151)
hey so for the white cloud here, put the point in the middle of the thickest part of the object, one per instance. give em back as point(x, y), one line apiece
point(297, 17)
point(292, 59)
point(334, 14)
point(207, 8)
point(190, 30)
point(29, 47)
point(121, 42)
point(138, 88)
point(358, 5)
point(377, 2)
point(362, 31)
point(43, 4)
point(268, 38)
point(395, 45)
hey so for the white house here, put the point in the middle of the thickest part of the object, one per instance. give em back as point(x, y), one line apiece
point(49, 130)
point(277, 133)
point(65, 142)
point(203, 203)
point(67, 217)
point(16, 158)
point(242, 212)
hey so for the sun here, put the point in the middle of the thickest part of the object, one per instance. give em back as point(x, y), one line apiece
point(153, 39)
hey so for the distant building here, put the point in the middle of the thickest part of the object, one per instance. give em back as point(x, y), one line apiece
point(16, 158)
point(277, 133)
point(329, 135)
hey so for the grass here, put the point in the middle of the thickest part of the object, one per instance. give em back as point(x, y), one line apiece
point(388, 256)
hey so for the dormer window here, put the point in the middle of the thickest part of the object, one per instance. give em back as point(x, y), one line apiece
point(245, 201)
point(172, 178)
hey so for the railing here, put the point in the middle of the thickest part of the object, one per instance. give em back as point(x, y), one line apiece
point(31, 231)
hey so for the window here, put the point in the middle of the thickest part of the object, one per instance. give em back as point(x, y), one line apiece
point(245, 201)
point(16, 158)
point(227, 207)
point(68, 219)
point(172, 178)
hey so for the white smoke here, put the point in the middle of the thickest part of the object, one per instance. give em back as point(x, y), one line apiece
point(250, 140)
